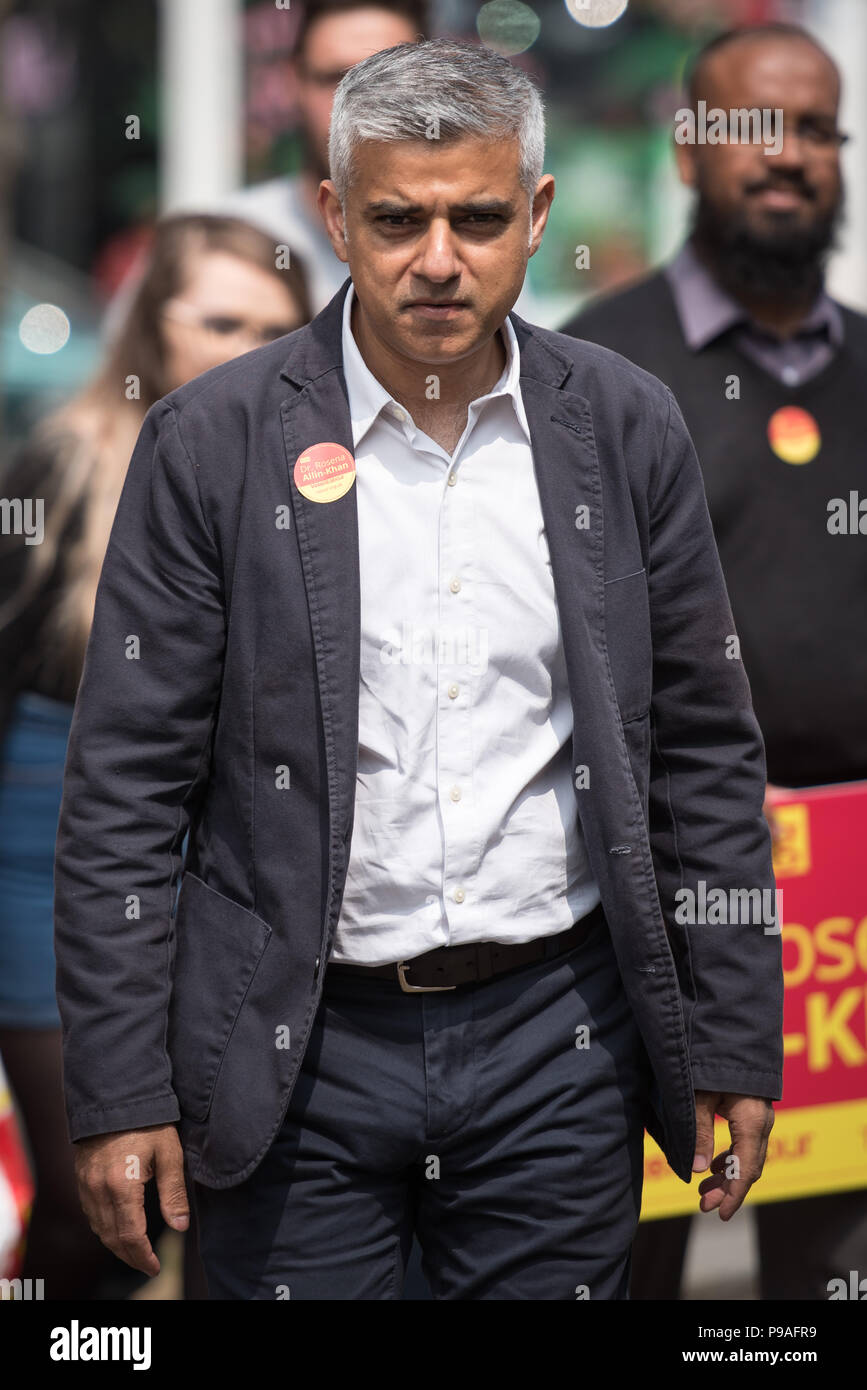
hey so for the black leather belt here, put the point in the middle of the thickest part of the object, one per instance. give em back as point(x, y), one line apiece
point(446, 967)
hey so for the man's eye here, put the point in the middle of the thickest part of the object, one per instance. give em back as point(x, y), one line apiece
point(472, 219)
point(217, 324)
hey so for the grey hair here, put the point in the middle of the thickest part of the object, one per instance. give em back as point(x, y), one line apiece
point(444, 86)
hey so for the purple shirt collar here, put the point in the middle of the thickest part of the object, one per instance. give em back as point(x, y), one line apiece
point(706, 310)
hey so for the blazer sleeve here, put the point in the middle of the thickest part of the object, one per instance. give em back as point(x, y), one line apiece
point(707, 787)
point(139, 750)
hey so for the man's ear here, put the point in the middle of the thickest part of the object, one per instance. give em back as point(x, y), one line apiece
point(684, 158)
point(332, 215)
point(541, 206)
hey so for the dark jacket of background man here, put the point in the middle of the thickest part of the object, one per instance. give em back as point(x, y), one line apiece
point(798, 591)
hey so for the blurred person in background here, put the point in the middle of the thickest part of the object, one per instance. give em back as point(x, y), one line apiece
point(333, 36)
point(209, 292)
point(743, 309)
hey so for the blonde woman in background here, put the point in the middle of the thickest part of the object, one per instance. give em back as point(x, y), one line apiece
point(209, 291)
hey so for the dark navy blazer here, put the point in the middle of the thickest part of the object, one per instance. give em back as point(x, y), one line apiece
point(220, 694)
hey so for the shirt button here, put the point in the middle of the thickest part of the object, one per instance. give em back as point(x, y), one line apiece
point(398, 413)
point(455, 793)
point(790, 376)
point(455, 586)
point(452, 479)
point(459, 895)
point(453, 691)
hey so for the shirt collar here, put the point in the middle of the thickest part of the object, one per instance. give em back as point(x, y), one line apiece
point(368, 397)
point(706, 310)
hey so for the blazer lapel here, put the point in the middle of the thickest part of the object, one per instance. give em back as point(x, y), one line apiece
point(570, 492)
point(328, 545)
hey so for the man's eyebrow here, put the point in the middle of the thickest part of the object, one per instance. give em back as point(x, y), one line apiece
point(327, 74)
point(498, 205)
point(390, 207)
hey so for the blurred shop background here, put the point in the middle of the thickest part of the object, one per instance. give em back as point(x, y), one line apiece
point(114, 113)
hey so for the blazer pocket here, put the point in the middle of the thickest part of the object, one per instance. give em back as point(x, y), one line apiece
point(630, 651)
point(637, 735)
point(218, 947)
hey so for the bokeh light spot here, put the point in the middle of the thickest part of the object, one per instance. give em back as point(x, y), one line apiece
point(508, 26)
point(44, 328)
point(595, 14)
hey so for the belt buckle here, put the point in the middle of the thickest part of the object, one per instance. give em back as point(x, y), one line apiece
point(407, 988)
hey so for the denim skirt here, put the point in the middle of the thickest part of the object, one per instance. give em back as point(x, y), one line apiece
point(31, 783)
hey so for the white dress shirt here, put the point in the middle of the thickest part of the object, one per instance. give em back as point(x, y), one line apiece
point(466, 826)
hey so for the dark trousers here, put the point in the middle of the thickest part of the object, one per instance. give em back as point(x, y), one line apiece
point(469, 1118)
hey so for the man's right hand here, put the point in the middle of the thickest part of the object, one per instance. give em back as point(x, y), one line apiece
point(112, 1170)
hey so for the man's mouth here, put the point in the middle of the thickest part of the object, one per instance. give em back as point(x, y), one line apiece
point(782, 197)
point(437, 308)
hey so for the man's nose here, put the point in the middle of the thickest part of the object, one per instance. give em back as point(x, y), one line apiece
point(438, 259)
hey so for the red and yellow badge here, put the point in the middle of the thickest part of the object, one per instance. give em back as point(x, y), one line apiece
point(794, 435)
point(324, 472)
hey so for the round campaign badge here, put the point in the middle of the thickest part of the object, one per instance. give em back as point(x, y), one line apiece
point(794, 435)
point(324, 472)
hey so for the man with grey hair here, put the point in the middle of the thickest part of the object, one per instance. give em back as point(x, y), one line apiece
point(415, 619)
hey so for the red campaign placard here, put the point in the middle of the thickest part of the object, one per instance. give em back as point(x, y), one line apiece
point(819, 1140)
point(819, 852)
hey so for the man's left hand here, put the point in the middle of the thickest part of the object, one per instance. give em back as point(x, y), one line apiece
point(750, 1119)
